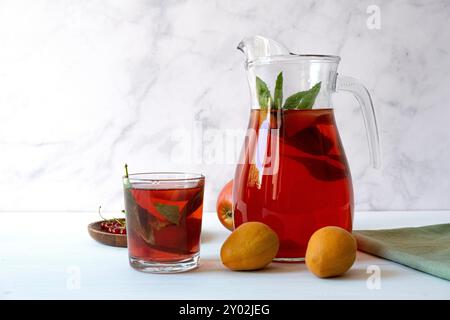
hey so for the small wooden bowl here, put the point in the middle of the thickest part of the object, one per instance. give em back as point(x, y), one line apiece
point(110, 239)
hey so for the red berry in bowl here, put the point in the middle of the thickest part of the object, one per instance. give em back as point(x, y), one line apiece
point(115, 226)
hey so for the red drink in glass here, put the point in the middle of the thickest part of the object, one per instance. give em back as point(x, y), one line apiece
point(164, 217)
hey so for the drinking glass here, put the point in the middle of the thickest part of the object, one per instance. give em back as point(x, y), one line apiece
point(164, 218)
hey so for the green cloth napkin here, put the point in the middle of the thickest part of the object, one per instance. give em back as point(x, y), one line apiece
point(423, 248)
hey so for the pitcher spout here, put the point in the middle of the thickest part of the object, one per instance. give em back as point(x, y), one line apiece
point(258, 47)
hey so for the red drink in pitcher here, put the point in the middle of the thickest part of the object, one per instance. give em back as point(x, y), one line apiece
point(293, 177)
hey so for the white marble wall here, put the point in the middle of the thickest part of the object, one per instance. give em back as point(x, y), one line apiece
point(86, 86)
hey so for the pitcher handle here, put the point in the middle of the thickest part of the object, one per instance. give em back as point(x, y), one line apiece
point(344, 83)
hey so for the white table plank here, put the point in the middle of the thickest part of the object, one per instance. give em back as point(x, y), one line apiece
point(43, 254)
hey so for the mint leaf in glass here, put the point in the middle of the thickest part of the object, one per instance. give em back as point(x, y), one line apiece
point(170, 212)
point(278, 93)
point(304, 99)
point(263, 92)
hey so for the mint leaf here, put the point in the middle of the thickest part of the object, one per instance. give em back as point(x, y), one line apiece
point(304, 99)
point(264, 97)
point(278, 94)
point(308, 100)
point(293, 101)
point(170, 212)
point(137, 218)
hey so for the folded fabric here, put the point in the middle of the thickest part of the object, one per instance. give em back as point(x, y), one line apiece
point(424, 248)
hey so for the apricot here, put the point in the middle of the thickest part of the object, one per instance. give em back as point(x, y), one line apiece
point(331, 252)
point(251, 246)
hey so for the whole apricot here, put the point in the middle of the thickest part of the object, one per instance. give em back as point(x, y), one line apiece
point(251, 246)
point(331, 252)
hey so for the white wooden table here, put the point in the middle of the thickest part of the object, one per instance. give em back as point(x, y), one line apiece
point(51, 256)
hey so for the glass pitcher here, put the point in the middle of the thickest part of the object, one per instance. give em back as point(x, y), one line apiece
point(293, 174)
